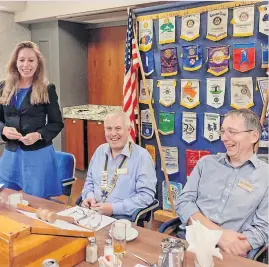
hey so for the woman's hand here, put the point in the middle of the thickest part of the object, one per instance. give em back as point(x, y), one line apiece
point(30, 138)
point(11, 133)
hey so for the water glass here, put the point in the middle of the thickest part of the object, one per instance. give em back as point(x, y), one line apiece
point(118, 233)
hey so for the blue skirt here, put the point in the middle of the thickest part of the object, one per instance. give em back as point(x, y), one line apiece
point(35, 172)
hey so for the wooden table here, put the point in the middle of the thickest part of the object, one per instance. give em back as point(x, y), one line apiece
point(146, 245)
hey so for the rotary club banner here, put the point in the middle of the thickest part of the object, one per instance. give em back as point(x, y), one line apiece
point(189, 93)
point(169, 62)
point(241, 92)
point(264, 141)
point(171, 159)
point(143, 96)
point(265, 55)
point(176, 189)
point(192, 57)
point(147, 130)
point(192, 157)
point(217, 21)
point(218, 60)
point(166, 123)
point(264, 19)
point(244, 57)
point(148, 62)
point(215, 92)
point(167, 92)
point(145, 35)
point(189, 127)
point(167, 30)
point(190, 27)
point(152, 151)
point(263, 85)
point(211, 126)
point(243, 21)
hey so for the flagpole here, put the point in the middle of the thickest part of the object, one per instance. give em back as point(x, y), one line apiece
point(137, 93)
point(155, 129)
point(263, 116)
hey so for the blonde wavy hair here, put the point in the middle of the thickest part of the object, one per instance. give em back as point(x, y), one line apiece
point(39, 93)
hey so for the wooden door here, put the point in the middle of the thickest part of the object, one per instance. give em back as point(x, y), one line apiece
point(96, 136)
point(106, 65)
point(74, 141)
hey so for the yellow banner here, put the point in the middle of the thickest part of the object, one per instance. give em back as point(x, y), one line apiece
point(191, 11)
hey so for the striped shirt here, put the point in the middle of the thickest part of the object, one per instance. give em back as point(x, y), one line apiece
point(215, 189)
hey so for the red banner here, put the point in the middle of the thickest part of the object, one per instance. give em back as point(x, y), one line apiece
point(192, 156)
point(244, 57)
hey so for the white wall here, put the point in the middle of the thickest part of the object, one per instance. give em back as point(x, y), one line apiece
point(39, 10)
point(11, 33)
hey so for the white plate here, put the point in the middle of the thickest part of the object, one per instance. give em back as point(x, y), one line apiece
point(133, 234)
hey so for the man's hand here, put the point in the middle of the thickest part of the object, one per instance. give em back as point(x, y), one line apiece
point(104, 208)
point(11, 133)
point(88, 202)
point(30, 138)
point(234, 243)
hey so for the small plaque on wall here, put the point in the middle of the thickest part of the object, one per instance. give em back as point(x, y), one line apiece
point(176, 189)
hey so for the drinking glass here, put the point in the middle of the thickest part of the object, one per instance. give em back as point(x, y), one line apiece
point(94, 219)
point(118, 233)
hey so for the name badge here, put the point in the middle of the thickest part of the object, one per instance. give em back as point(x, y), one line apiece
point(245, 185)
point(104, 173)
point(122, 171)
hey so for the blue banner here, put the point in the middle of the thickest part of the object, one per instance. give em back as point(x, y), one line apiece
point(192, 57)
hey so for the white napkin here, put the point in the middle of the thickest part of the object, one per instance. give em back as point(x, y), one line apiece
point(202, 242)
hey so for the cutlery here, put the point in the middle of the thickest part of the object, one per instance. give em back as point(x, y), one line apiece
point(148, 263)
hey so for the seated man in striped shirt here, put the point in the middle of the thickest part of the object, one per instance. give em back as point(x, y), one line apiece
point(121, 176)
point(229, 191)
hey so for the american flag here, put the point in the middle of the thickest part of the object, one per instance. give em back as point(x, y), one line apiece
point(129, 84)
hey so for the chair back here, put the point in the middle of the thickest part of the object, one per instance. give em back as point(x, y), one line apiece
point(66, 166)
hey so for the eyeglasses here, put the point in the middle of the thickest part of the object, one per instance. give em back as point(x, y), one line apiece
point(231, 133)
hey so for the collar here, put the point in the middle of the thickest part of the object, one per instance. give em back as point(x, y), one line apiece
point(125, 151)
point(223, 158)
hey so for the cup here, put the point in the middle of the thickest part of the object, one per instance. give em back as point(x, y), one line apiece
point(128, 227)
point(118, 233)
point(14, 199)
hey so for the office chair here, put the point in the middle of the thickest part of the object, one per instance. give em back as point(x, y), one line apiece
point(260, 254)
point(66, 164)
point(140, 216)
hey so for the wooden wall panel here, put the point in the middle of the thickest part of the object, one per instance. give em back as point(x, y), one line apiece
point(74, 141)
point(106, 65)
point(96, 136)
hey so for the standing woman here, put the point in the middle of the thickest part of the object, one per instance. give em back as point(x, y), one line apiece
point(30, 118)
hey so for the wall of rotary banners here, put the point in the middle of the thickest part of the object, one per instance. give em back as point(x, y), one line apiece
point(198, 73)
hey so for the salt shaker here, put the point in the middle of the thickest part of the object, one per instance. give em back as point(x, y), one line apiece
point(108, 249)
point(91, 251)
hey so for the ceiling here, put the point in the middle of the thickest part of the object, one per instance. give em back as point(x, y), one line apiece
point(12, 6)
point(105, 16)
point(112, 15)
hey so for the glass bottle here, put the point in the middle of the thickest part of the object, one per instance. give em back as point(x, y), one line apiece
point(108, 249)
point(91, 251)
